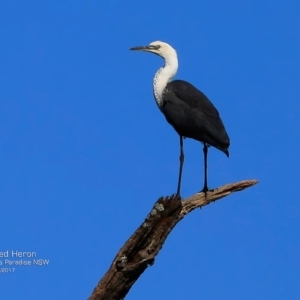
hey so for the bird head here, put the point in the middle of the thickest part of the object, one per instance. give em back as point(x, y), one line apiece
point(159, 48)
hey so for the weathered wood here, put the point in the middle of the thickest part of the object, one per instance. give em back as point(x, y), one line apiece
point(140, 250)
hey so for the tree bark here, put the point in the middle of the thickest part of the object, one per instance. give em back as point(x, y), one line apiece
point(139, 251)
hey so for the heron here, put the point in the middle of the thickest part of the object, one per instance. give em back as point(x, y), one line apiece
point(186, 108)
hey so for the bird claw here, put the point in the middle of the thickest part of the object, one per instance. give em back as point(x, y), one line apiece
point(178, 196)
point(206, 189)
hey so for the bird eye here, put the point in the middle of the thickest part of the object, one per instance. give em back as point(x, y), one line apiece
point(154, 47)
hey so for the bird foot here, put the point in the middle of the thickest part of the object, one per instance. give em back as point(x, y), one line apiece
point(205, 190)
point(178, 196)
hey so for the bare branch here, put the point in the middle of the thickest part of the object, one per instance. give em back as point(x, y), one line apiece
point(140, 250)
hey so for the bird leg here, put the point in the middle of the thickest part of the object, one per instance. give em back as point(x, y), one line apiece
point(205, 150)
point(181, 160)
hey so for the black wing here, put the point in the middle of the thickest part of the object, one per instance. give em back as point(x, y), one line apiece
point(193, 97)
point(192, 115)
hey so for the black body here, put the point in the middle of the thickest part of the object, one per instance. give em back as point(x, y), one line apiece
point(192, 115)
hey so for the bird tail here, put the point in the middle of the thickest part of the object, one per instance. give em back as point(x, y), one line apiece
point(226, 152)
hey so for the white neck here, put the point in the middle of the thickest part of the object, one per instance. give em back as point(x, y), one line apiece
point(163, 76)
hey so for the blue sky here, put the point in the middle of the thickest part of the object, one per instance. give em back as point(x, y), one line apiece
point(85, 152)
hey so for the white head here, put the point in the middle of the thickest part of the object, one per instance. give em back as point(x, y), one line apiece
point(167, 72)
point(161, 49)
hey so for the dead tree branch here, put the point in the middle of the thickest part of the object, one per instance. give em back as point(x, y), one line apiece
point(140, 250)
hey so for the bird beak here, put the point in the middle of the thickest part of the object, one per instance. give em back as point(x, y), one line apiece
point(139, 48)
point(149, 48)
